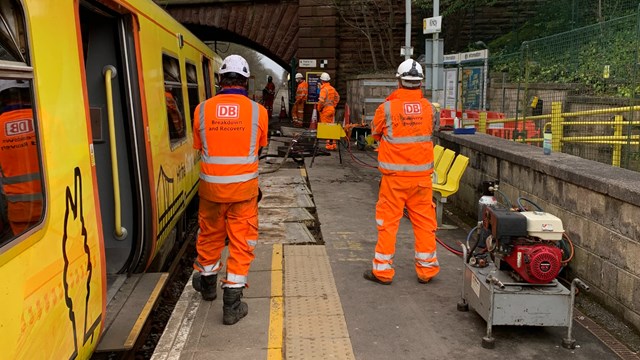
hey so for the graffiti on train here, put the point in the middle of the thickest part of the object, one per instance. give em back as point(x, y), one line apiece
point(170, 200)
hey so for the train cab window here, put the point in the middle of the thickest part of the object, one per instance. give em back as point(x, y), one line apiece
point(206, 72)
point(173, 99)
point(192, 89)
point(21, 195)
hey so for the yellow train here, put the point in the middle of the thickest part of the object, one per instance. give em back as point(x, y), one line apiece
point(96, 161)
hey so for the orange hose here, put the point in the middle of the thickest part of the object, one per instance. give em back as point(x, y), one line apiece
point(564, 262)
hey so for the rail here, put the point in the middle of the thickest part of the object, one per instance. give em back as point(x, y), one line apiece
point(120, 232)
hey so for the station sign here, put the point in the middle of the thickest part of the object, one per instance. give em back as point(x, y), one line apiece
point(474, 55)
point(307, 63)
point(432, 25)
point(451, 59)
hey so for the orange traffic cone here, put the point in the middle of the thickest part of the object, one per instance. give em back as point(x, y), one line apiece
point(283, 109)
point(314, 120)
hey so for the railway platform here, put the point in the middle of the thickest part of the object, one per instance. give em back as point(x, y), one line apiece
point(308, 300)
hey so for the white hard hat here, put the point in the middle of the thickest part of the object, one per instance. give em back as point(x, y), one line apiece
point(325, 77)
point(235, 64)
point(12, 84)
point(410, 70)
point(299, 76)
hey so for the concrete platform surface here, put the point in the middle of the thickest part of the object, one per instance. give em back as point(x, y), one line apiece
point(310, 301)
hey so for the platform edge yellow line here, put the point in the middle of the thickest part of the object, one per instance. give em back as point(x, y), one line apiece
point(276, 311)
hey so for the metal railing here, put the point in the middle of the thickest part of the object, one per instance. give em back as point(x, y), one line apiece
point(558, 122)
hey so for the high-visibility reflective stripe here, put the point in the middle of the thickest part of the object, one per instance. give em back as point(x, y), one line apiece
point(405, 167)
point(407, 140)
point(255, 116)
point(24, 197)
point(228, 179)
point(203, 133)
point(428, 264)
point(12, 180)
point(382, 267)
point(238, 279)
point(384, 257)
point(380, 222)
point(387, 116)
point(229, 160)
point(425, 256)
point(252, 243)
point(209, 269)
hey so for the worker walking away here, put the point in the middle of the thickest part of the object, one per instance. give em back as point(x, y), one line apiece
point(302, 92)
point(403, 125)
point(229, 130)
point(269, 95)
point(19, 165)
point(327, 102)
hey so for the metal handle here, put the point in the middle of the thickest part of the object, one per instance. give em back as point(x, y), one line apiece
point(120, 232)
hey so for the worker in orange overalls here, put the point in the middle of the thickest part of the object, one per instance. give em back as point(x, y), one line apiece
point(302, 92)
point(403, 125)
point(269, 95)
point(327, 102)
point(19, 164)
point(229, 130)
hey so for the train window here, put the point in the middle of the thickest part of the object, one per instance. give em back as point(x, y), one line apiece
point(173, 99)
point(21, 195)
point(192, 89)
point(206, 72)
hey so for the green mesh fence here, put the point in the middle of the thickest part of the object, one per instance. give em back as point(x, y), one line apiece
point(582, 86)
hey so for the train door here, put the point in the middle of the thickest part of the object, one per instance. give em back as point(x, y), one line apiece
point(118, 137)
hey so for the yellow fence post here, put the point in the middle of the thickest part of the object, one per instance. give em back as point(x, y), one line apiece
point(556, 126)
point(617, 148)
point(482, 122)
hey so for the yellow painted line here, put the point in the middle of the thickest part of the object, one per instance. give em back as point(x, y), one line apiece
point(137, 327)
point(276, 311)
point(303, 172)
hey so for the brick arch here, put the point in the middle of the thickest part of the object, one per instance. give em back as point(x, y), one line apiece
point(270, 28)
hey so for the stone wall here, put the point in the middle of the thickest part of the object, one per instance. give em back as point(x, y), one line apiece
point(599, 206)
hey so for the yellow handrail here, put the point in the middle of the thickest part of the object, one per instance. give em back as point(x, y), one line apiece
point(120, 232)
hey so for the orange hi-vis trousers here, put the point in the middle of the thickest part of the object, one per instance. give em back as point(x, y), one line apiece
point(298, 113)
point(414, 193)
point(238, 220)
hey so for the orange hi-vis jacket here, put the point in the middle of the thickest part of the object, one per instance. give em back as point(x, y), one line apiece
point(302, 91)
point(229, 130)
point(329, 97)
point(403, 125)
point(19, 166)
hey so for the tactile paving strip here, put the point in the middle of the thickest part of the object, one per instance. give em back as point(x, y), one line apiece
point(314, 321)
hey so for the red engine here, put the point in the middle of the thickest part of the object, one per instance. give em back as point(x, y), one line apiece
point(536, 263)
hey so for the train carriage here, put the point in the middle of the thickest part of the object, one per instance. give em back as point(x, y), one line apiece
point(96, 161)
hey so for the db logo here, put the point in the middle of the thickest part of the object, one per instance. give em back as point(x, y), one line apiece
point(412, 108)
point(18, 127)
point(228, 111)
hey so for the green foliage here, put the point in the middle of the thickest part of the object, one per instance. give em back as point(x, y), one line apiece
point(580, 57)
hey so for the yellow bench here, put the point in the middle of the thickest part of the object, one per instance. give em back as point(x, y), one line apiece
point(437, 153)
point(442, 191)
point(442, 166)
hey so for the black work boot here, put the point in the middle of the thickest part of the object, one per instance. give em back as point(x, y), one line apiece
point(233, 309)
point(368, 274)
point(205, 285)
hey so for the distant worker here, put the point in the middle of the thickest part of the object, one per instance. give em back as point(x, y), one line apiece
point(302, 93)
point(403, 125)
point(327, 102)
point(176, 123)
point(19, 164)
point(229, 130)
point(268, 95)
